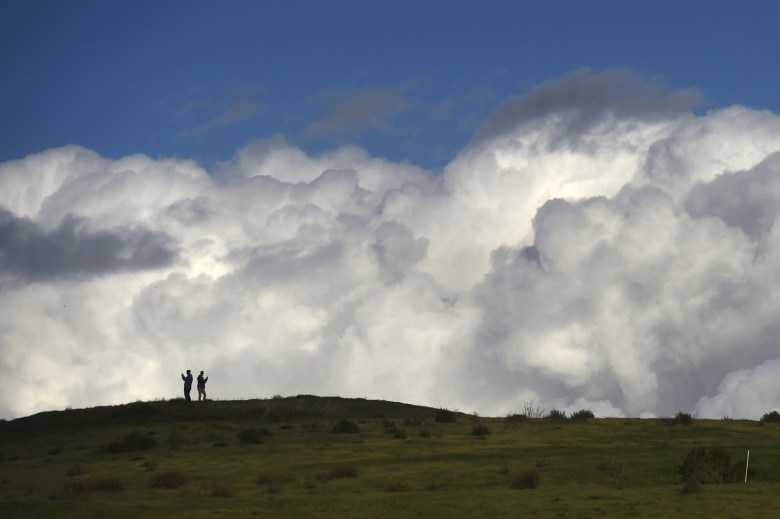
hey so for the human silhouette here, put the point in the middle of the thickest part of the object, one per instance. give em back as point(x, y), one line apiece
point(187, 385)
point(202, 386)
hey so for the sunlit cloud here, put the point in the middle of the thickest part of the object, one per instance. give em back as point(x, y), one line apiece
point(597, 245)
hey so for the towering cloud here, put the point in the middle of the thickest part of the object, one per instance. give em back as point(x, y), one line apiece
point(596, 245)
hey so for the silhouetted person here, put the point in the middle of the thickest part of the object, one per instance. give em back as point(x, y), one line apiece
point(202, 386)
point(187, 385)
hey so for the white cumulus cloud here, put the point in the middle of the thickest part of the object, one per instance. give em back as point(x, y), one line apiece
point(597, 245)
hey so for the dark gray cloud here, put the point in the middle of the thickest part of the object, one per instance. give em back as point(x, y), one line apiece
point(28, 252)
point(576, 102)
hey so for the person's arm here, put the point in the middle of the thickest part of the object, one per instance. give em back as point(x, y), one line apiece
point(182, 377)
point(205, 380)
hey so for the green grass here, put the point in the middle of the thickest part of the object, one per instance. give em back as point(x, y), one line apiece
point(58, 464)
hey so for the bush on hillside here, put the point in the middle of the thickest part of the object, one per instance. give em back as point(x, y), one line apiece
point(555, 414)
point(445, 416)
point(253, 435)
point(346, 426)
point(709, 465)
point(679, 419)
point(771, 416)
point(169, 479)
point(582, 414)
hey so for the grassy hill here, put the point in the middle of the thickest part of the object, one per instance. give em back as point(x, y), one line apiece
point(313, 457)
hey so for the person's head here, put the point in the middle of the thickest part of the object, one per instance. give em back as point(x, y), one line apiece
point(188, 372)
point(201, 373)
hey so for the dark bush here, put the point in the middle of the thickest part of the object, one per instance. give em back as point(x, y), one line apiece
point(253, 435)
point(480, 430)
point(555, 414)
point(445, 416)
point(709, 465)
point(134, 441)
point(582, 414)
point(526, 480)
point(771, 416)
point(169, 479)
point(346, 426)
point(679, 419)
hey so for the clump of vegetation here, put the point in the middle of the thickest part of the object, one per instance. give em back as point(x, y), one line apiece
point(609, 465)
point(679, 419)
point(424, 433)
point(54, 451)
point(134, 441)
point(525, 480)
point(480, 430)
point(771, 417)
point(169, 479)
point(346, 426)
point(555, 414)
point(85, 484)
point(254, 435)
point(273, 481)
point(400, 434)
point(445, 416)
point(582, 415)
point(690, 486)
point(709, 465)
point(411, 422)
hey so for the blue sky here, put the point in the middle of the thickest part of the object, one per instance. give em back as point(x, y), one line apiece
point(407, 80)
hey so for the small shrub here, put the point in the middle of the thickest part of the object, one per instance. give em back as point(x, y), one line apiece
point(531, 410)
point(709, 465)
point(108, 484)
point(169, 479)
point(683, 418)
point(771, 417)
point(253, 435)
point(526, 480)
point(609, 465)
point(273, 481)
point(555, 414)
point(425, 433)
point(445, 416)
point(399, 435)
point(480, 430)
point(582, 415)
point(515, 418)
point(346, 427)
